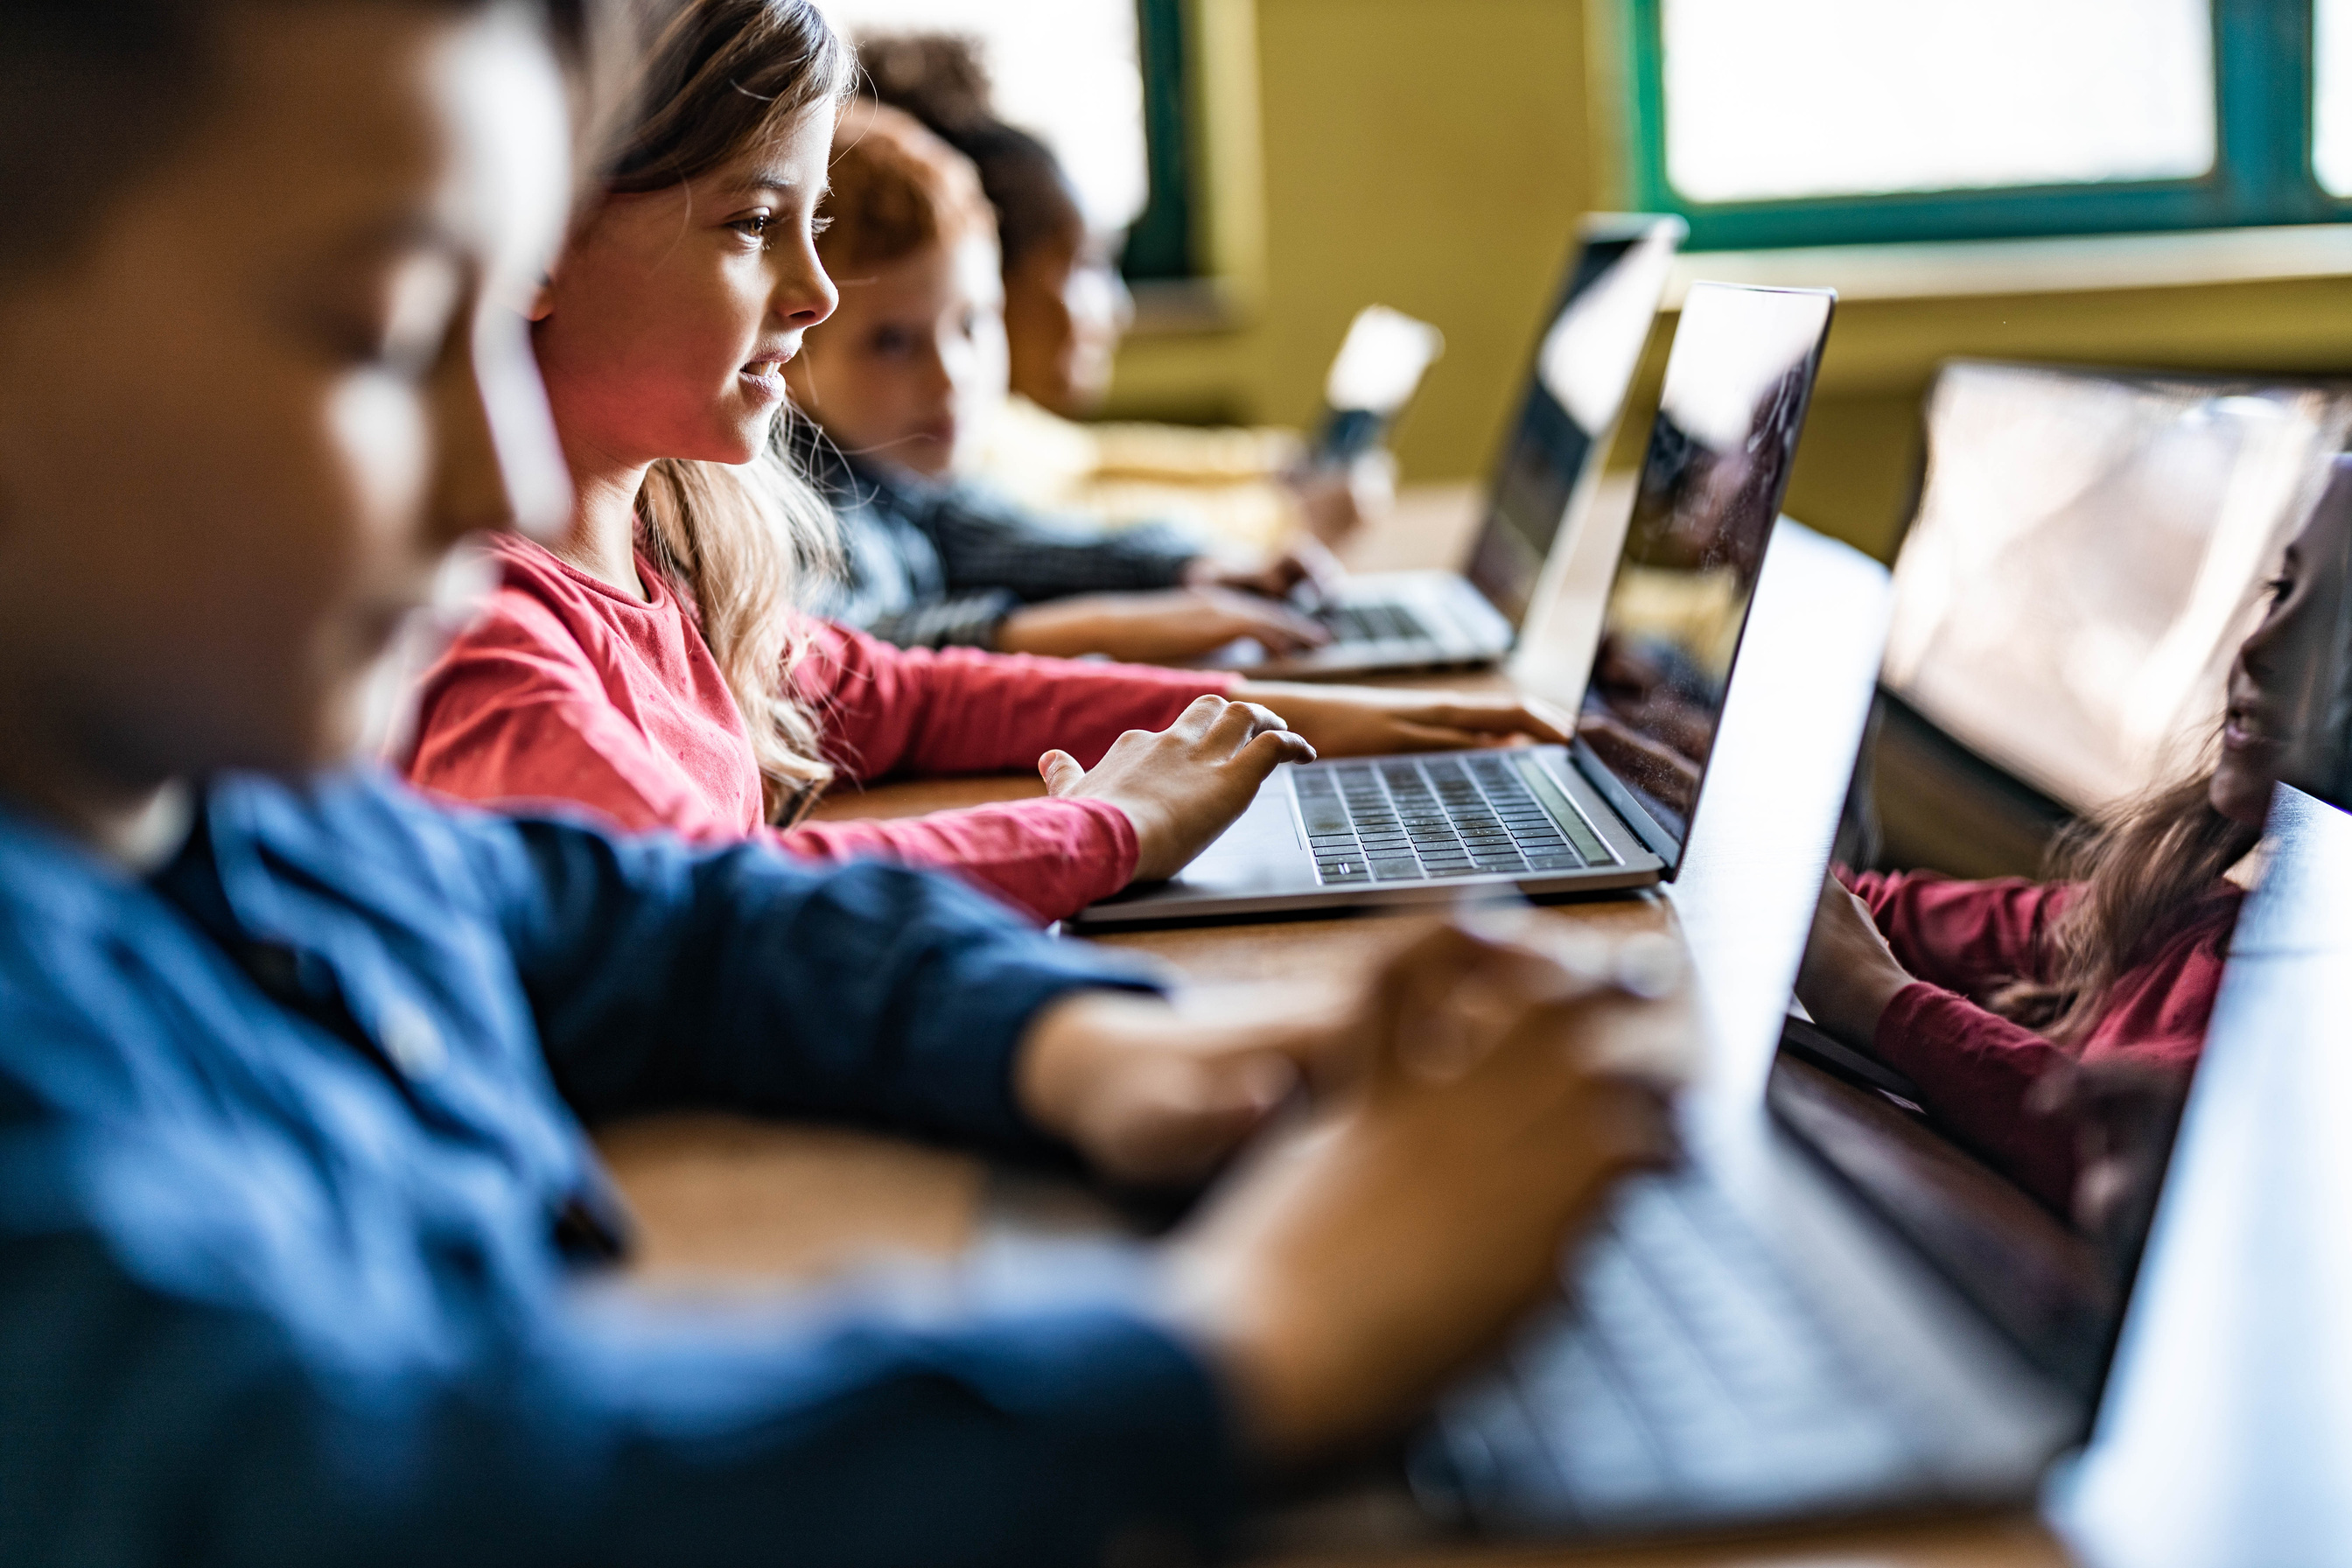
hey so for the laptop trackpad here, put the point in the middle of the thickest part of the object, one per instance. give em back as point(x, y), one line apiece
point(1261, 851)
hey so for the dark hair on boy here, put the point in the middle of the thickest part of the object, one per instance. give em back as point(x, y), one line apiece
point(939, 79)
point(69, 68)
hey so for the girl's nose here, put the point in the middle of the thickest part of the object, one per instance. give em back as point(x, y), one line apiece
point(804, 295)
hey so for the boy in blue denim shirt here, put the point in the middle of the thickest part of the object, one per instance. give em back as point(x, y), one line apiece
point(293, 1208)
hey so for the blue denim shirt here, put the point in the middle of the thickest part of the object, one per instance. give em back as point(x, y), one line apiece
point(278, 1290)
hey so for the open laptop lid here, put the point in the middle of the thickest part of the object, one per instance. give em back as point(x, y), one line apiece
point(1737, 387)
point(2059, 1284)
point(1575, 388)
point(1379, 368)
point(2225, 1432)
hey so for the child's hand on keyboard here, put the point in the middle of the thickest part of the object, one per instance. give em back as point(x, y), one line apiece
point(1160, 1092)
point(1183, 785)
point(1370, 721)
point(1303, 572)
point(1849, 976)
point(1351, 1267)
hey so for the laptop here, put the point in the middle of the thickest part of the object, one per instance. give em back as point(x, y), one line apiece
point(1575, 389)
point(1845, 1313)
point(1378, 369)
point(2225, 1434)
point(1614, 810)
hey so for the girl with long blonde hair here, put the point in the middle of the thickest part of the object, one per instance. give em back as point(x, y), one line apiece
point(648, 663)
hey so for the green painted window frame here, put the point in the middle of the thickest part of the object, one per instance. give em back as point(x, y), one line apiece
point(1159, 243)
point(2261, 171)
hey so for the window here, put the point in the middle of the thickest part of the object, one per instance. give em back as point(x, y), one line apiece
point(2331, 131)
point(1099, 81)
point(1824, 121)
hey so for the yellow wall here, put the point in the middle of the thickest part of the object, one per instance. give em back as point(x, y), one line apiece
point(1434, 154)
point(1430, 156)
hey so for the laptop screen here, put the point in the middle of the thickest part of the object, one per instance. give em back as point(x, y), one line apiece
point(1592, 344)
point(1710, 488)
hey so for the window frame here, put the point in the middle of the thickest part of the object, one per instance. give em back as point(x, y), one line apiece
point(2262, 174)
point(1159, 243)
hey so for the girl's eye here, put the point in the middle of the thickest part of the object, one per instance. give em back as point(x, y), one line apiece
point(2277, 588)
point(753, 225)
point(891, 341)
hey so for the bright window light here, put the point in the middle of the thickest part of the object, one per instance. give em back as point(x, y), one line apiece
point(2331, 104)
point(1066, 71)
point(1832, 98)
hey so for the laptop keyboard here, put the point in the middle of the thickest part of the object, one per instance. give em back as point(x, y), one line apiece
point(1687, 1380)
point(1408, 819)
point(1372, 622)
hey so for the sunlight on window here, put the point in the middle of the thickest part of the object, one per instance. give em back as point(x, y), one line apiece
point(2331, 88)
point(1821, 98)
point(1066, 71)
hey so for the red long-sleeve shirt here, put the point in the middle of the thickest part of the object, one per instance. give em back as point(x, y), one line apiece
point(568, 691)
point(1961, 941)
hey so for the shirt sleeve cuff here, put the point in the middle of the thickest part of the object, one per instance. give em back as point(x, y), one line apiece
point(999, 994)
point(1919, 1012)
point(1124, 850)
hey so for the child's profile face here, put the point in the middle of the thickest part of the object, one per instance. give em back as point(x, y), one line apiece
point(2281, 683)
point(910, 368)
point(672, 314)
point(243, 424)
point(1066, 309)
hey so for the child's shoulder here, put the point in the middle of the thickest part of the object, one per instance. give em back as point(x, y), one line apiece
point(539, 605)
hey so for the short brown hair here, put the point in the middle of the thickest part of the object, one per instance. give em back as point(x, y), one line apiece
point(897, 188)
point(93, 91)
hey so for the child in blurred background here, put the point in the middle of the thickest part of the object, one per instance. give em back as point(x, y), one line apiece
point(903, 383)
point(1066, 310)
point(1984, 993)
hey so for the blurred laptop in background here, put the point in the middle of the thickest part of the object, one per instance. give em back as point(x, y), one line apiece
point(1590, 345)
point(1614, 809)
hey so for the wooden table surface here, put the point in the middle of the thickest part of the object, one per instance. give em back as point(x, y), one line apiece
point(727, 1203)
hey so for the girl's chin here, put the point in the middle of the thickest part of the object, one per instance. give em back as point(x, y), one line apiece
point(736, 443)
point(2241, 795)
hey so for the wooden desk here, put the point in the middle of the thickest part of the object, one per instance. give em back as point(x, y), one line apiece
point(725, 1199)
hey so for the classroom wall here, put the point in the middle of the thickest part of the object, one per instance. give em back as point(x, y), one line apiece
point(1435, 157)
point(1428, 157)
